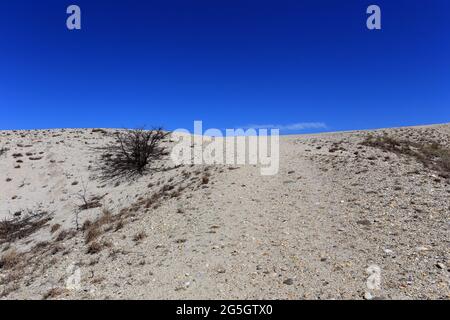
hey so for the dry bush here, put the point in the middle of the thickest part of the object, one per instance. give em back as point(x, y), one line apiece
point(19, 228)
point(88, 202)
point(431, 154)
point(130, 154)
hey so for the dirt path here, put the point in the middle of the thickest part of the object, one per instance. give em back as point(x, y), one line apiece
point(261, 237)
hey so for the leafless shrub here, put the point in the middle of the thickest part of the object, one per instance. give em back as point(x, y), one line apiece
point(130, 154)
point(88, 202)
point(19, 228)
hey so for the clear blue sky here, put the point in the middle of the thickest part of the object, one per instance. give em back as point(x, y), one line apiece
point(230, 63)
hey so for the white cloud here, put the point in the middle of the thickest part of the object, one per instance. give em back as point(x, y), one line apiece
point(289, 127)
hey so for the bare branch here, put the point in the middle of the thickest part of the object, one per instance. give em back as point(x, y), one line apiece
point(131, 154)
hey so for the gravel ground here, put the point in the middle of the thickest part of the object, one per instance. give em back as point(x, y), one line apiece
point(337, 211)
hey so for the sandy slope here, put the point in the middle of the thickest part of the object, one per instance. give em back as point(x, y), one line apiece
point(309, 232)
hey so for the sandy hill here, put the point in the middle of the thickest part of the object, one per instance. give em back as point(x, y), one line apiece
point(341, 203)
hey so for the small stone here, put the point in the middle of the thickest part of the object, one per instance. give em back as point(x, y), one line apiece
point(440, 265)
point(221, 270)
point(368, 296)
point(288, 281)
point(364, 222)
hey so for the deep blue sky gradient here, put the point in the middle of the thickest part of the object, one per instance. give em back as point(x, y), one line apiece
point(229, 63)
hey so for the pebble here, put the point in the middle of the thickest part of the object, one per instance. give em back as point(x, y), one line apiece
point(440, 265)
point(368, 296)
point(220, 270)
point(288, 281)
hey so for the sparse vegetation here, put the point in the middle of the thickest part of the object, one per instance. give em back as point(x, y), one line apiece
point(98, 130)
point(3, 151)
point(94, 247)
point(19, 228)
point(94, 229)
point(55, 227)
point(53, 293)
point(88, 202)
point(139, 236)
point(130, 154)
point(205, 179)
point(431, 154)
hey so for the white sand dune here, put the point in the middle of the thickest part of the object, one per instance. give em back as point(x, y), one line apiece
point(310, 232)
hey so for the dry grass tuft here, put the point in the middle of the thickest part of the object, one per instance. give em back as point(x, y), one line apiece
point(94, 229)
point(53, 293)
point(139, 236)
point(94, 247)
point(55, 228)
